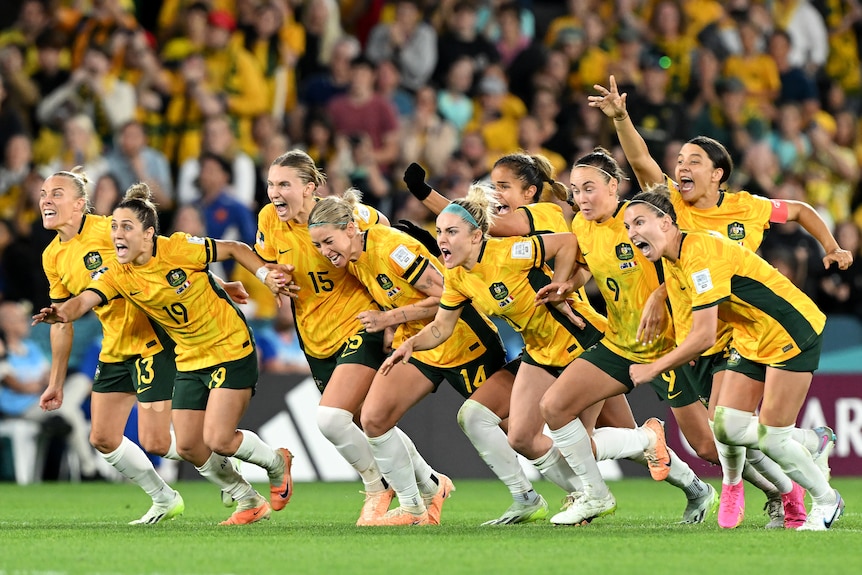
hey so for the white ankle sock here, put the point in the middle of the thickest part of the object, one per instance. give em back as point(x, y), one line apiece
point(219, 470)
point(424, 474)
point(619, 443)
point(778, 444)
point(253, 450)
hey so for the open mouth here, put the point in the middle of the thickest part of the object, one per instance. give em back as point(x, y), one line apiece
point(335, 259)
point(121, 249)
point(446, 255)
point(280, 208)
point(503, 209)
point(643, 246)
point(686, 185)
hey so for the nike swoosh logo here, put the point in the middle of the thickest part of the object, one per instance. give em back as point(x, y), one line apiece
point(280, 252)
point(134, 293)
point(256, 512)
point(674, 395)
point(143, 389)
point(681, 288)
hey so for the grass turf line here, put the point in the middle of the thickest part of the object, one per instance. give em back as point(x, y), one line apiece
point(62, 528)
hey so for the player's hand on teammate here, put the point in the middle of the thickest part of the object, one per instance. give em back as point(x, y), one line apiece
point(373, 320)
point(280, 280)
point(554, 292)
point(653, 316)
point(566, 308)
point(641, 373)
point(236, 291)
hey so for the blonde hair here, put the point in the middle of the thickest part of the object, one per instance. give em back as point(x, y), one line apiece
point(335, 211)
point(479, 202)
point(79, 180)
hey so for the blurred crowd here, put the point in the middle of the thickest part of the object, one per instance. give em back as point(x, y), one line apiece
point(196, 98)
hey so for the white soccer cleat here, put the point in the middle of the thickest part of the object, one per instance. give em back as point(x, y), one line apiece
point(697, 509)
point(822, 517)
point(520, 512)
point(162, 512)
point(582, 508)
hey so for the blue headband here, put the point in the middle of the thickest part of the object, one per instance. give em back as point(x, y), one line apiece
point(461, 212)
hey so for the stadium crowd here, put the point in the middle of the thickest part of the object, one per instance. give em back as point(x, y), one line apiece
point(198, 98)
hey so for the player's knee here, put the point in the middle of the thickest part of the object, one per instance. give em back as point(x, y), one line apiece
point(728, 429)
point(552, 412)
point(332, 422)
point(154, 443)
point(221, 443)
point(473, 418)
point(104, 443)
point(705, 449)
point(376, 422)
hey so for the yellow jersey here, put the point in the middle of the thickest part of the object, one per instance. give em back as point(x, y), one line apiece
point(545, 218)
point(625, 279)
point(741, 217)
point(504, 283)
point(329, 298)
point(71, 266)
point(390, 264)
point(772, 319)
point(176, 290)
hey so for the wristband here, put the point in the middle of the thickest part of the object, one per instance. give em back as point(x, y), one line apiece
point(261, 273)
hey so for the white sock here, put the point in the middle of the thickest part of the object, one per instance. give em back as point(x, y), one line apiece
point(554, 467)
point(219, 470)
point(619, 443)
point(733, 431)
point(574, 444)
point(778, 444)
point(767, 475)
point(253, 450)
point(808, 438)
point(426, 477)
point(395, 465)
point(482, 428)
point(172, 449)
point(337, 426)
point(133, 463)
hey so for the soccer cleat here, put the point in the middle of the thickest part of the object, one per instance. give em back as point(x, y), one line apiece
point(582, 508)
point(280, 493)
point(821, 456)
point(657, 455)
point(774, 508)
point(794, 507)
point(249, 510)
point(161, 512)
point(434, 503)
point(731, 506)
point(697, 509)
point(376, 505)
point(400, 516)
point(519, 512)
point(822, 517)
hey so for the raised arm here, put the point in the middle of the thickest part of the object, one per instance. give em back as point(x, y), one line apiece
point(68, 311)
point(613, 105)
point(414, 177)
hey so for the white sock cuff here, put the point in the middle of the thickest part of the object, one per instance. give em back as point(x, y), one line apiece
point(172, 449)
point(118, 453)
point(381, 438)
point(474, 412)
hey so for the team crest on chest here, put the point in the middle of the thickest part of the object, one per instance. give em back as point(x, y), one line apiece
point(177, 278)
point(736, 231)
point(501, 293)
point(625, 252)
point(386, 283)
point(92, 260)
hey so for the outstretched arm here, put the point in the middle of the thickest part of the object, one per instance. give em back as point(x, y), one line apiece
point(69, 310)
point(278, 278)
point(414, 177)
point(809, 219)
point(613, 104)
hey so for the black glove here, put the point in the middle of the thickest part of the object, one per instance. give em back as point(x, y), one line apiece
point(420, 234)
point(414, 177)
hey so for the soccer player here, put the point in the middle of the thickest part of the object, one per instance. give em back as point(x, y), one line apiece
point(400, 274)
point(500, 276)
point(777, 331)
point(625, 280)
point(703, 167)
point(216, 363)
point(343, 356)
point(135, 364)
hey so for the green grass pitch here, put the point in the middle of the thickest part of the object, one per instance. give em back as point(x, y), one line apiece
point(59, 528)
